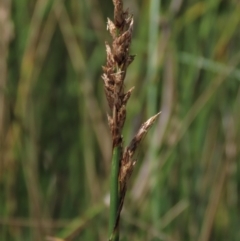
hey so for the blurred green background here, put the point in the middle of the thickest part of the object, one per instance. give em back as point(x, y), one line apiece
point(55, 145)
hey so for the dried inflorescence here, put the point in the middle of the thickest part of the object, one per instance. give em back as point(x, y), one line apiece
point(127, 162)
point(118, 60)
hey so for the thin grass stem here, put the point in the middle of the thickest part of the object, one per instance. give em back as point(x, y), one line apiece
point(114, 194)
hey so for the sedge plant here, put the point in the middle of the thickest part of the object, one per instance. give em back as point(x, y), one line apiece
point(114, 72)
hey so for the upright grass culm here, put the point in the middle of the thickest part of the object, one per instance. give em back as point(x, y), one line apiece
point(118, 60)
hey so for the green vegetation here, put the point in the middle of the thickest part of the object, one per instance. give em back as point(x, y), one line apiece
point(55, 144)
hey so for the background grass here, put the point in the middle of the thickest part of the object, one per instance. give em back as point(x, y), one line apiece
point(54, 141)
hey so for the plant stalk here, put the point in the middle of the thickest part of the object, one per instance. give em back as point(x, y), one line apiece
point(114, 194)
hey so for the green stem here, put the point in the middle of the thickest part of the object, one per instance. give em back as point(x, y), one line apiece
point(114, 195)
